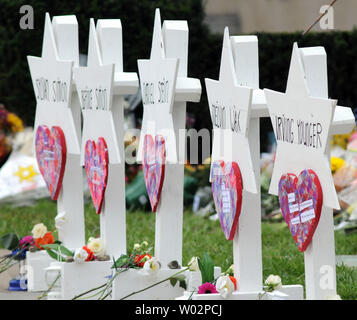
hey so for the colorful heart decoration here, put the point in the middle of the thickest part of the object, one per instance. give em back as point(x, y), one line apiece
point(51, 152)
point(96, 165)
point(154, 158)
point(227, 188)
point(301, 202)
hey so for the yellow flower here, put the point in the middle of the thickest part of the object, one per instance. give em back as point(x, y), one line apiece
point(15, 122)
point(190, 168)
point(336, 163)
point(207, 160)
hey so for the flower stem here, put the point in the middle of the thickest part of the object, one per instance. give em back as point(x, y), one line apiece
point(91, 290)
point(45, 294)
point(155, 284)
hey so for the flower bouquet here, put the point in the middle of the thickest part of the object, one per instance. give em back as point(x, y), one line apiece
point(68, 273)
point(139, 275)
point(211, 283)
point(20, 246)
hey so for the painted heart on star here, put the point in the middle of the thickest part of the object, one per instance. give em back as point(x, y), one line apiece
point(96, 165)
point(301, 202)
point(227, 188)
point(154, 157)
point(51, 151)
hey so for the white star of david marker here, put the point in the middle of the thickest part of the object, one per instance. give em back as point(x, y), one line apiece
point(230, 107)
point(95, 90)
point(52, 82)
point(158, 77)
point(302, 128)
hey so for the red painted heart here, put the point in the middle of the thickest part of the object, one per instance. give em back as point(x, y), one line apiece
point(301, 202)
point(154, 157)
point(50, 146)
point(96, 166)
point(227, 188)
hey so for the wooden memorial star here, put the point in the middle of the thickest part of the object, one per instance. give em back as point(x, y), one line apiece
point(230, 107)
point(52, 82)
point(302, 125)
point(158, 77)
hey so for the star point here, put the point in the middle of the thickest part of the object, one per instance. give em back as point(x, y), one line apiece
point(94, 54)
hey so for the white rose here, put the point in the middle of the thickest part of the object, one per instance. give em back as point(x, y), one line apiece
point(224, 286)
point(97, 246)
point(80, 255)
point(39, 230)
point(151, 266)
point(273, 282)
point(137, 247)
point(193, 264)
point(333, 297)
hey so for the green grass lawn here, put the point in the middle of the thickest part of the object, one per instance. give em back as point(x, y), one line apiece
point(280, 255)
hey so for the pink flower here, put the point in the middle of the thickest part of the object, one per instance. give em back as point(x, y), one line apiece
point(26, 242)
point(207, 288)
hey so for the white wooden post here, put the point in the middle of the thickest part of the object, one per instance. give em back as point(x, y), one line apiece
point(61, 44)
point(105, 51)
point(247, 246)
point(113, 217)
point(306, 97)
point(320, 263)
point(73, 235)
point(169, 215)
point(60, 47)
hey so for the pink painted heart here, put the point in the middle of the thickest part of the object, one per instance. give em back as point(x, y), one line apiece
point(227, 188)
point(96, 166)
point(301, 202)
point(154, 157)
point(50, 146)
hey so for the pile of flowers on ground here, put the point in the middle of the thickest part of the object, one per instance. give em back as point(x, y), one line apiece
point(10, 124)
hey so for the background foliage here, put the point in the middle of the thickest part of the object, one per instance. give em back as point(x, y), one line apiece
point(137, 17)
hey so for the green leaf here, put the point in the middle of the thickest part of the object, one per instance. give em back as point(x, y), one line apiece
point(60, 249)
point(183, 284)
point(54, 255)
point(114, 265)
point(207, 268)
point(180, 277)
point(10, 241)
point(173, 281)
point(121, 261)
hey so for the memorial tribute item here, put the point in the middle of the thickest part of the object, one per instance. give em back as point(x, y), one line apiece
point(231, 164)
point(58, 130)
point(51, 155)
point(154, 167)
